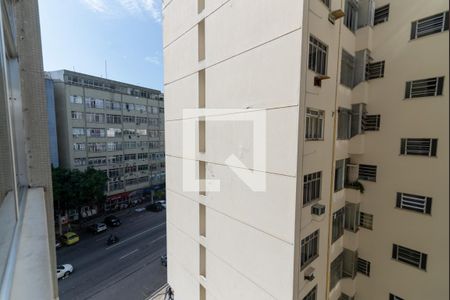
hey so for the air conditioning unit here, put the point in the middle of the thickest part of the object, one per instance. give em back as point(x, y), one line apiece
point(309, 274)
point(318, 209)
point(335, 14)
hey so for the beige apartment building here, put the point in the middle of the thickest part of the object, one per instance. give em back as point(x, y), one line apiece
point(354, 96)
point(114, 127)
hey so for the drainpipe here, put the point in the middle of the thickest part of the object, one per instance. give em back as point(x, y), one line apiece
point(330, 204)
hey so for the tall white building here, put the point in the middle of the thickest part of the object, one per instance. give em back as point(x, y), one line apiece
point(355, 99)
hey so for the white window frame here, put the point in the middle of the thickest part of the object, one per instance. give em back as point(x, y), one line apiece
point(315, 124)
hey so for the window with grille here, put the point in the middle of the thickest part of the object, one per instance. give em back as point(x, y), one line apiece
point(312, 295)
point(336, 270)
point(429, 25)
point(339, 175)
point(318, 52)
point(338, 224)
point(347, 69)
point(366, 220)
point(423, 147)
point(381, 15)
point(367, 172)
point(77, 115)
point(311, 187)
point(375, 70)
point(351, 15)
point(410, 256)
point(351, 216)
point(371, 122)
point(350, 263)
point(310, 249)
point(393, 297)
point(428, 87)
point(421, 204)
point(314, 124)
point(344, 130)
point(363, 266)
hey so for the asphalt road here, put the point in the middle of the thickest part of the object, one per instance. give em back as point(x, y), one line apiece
point(130, 269)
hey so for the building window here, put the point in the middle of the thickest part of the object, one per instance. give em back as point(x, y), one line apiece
point(344, 131)
point(371, 122)
point(310, 249)
point(79, 161)
point(114, 119)
point(393, 297)
point(338, 224)
point(77, 115)
point(363, 266)
point(423, 147)
point(429, 25)
point(95, 132)
point(421, 204)
point(367, 172)
point(312, 295)
point(424, 87)
point(351, 216)
point(340, 174)
point(375, 70)
point(410, 256)
point(77, 132)
point(336, 271)
point(347, 69)
point(317, 56)
point(79, 146)
point(76, 99)
point(381, 15)
point(95, 118)
point(351, 15)
point(366, 220)
point(314, 124)
point(312, 187)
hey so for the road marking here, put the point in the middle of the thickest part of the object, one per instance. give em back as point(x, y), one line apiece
point(157, 239)
point(135, 236)
point(126, 255)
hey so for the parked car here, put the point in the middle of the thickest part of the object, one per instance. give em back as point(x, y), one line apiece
point(163, 203)
point(164, 260)
point(139, 209)
point(63, 271)
point(97, 227)
point(112, 221)
point(70, 238)
point(155, 207)
point(58, 244)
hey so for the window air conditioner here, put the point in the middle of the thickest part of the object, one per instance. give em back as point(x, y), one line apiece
point(318, 209)
point(309, 274)
point(334, 15)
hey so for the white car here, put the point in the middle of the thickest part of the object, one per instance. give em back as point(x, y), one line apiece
point(163, 203)
point(63, 271)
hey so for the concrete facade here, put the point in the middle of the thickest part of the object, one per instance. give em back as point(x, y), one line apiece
point(256, 55)
point(120, 130)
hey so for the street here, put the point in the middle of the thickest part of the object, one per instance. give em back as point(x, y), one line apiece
point(130, 269)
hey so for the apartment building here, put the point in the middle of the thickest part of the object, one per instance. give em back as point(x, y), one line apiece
point(27, 238)
point(355, 99)
point(114, 127)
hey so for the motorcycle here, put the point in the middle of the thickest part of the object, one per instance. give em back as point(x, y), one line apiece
point(112, 240)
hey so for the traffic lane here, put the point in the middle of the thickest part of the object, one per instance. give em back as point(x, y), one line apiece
point(86, 258)
point(140, 285)
point(110, 264)
point(91, 242)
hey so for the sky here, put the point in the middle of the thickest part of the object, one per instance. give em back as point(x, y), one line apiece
point(81, 34)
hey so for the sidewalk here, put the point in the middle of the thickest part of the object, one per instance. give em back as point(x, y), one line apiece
point(159, 294)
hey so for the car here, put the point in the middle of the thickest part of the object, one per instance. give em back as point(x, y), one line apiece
point(164, 260)
point(139, 209)
point(155, 207)
point(70, 238)
point(112, 221)
point(63, 271)
point(163, 203)
point(97, 227)
point(58, 244)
